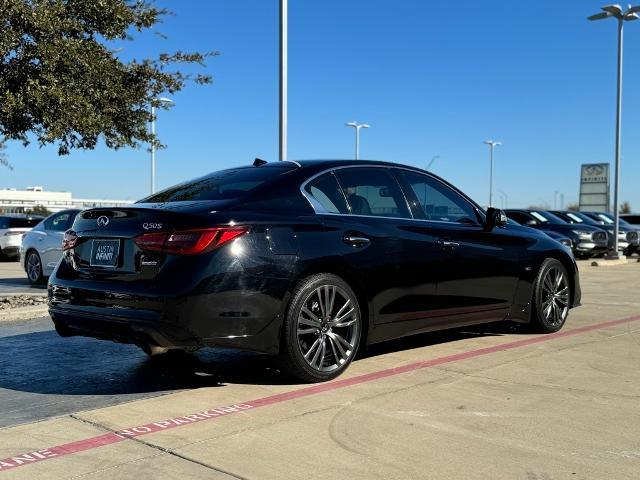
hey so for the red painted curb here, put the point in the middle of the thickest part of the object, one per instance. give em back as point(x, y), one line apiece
point(115, 437)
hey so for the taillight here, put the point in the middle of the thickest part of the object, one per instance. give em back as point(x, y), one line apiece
point(69, 240)
point(188, 242)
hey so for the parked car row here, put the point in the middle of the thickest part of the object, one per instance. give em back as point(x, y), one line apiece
point(591, 234)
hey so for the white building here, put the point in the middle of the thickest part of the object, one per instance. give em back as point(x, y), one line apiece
point(20, 201)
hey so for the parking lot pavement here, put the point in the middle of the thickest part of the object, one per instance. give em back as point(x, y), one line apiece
point(484, 402)
point(13, 280)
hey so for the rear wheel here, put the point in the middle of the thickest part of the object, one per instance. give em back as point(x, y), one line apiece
point(322, 328)
point(33, 267)
point(551, 297)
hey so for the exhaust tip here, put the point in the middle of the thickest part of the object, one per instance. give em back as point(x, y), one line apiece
point(153, 350)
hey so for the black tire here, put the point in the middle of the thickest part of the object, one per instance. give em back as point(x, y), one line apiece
point(551, 297)
point(33, 268)
point(335, 334)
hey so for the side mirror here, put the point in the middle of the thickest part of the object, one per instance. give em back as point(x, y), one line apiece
point(495, 218)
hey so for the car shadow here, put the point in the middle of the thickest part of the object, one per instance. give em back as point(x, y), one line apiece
point(20, 283)
point(44, 363)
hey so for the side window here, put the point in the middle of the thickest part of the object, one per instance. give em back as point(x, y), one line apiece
point(326, 195)
point(521, 218)
point(59, 223)
point(438, 202)
point(373, 192)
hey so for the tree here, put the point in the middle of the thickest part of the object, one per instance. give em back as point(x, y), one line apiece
point(62, 82)
point(625, 207)
point(574, 207)
point(3, 156)
point(40, 211)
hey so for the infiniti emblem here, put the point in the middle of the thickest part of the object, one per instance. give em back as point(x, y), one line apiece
point(102, 221)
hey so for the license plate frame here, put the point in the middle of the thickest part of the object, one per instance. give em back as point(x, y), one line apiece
point(110, 253)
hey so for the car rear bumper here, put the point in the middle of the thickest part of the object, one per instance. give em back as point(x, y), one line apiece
point(11, 250)
point(247, 320)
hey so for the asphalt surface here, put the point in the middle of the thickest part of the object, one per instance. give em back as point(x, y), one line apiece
point(43, 375)
point(13, 280)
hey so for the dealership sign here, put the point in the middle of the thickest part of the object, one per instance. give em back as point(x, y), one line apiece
point(594, 187)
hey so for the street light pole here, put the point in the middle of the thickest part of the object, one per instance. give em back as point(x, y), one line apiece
point(615, 11)
point(492, 145)
point(284, 62)
point(506, 198)
point(357, 126)
point(153, 142)
point(433, 159)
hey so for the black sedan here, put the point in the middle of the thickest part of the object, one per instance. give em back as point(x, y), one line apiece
point(305, 260)
point(588, 240)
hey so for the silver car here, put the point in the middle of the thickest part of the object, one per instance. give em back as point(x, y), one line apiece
point(41, 248)
point(12, 227)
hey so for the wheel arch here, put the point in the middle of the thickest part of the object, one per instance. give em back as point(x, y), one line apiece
point(340, 269)
point(570, 266)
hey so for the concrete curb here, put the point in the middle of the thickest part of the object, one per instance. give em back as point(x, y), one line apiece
point(611, 263)
point(24, 313)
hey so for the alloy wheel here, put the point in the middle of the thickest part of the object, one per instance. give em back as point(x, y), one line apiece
point(327, 328)
point(34, 268)
point(555, 296)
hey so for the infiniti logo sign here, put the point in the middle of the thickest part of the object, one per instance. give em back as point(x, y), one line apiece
point(102, 221)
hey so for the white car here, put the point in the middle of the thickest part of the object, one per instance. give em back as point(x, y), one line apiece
point(42, 246)
point(12, 227)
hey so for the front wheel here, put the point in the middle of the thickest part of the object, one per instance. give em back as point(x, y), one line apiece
point(551, 297)
point(321, 332)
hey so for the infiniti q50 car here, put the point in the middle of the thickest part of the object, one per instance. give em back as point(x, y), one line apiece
point(309, 261)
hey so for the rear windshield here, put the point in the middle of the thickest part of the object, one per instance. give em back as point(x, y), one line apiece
point(9, 222)
point(223, 185)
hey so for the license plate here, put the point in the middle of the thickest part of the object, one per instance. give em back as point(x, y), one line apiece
point(104, 253)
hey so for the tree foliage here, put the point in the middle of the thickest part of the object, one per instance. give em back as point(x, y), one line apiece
point(62, 82)
point(3, 156)
point(39, 210)
point(625, 207)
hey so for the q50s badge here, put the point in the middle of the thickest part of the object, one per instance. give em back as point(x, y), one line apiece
point(152, 226)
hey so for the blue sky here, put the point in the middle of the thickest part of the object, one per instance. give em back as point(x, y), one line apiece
point(431, 78)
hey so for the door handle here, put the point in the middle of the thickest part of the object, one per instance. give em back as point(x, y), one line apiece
point(356, 241)
point(448, 244)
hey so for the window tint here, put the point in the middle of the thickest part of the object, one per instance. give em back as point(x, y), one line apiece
point(11, 222)
point(437, 201)
point(59, 222)
point(521, 218)
point(326, 192)
point(372, 191)
point(222, 185)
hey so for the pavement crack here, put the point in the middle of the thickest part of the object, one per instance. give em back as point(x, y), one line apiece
point(161, 449)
